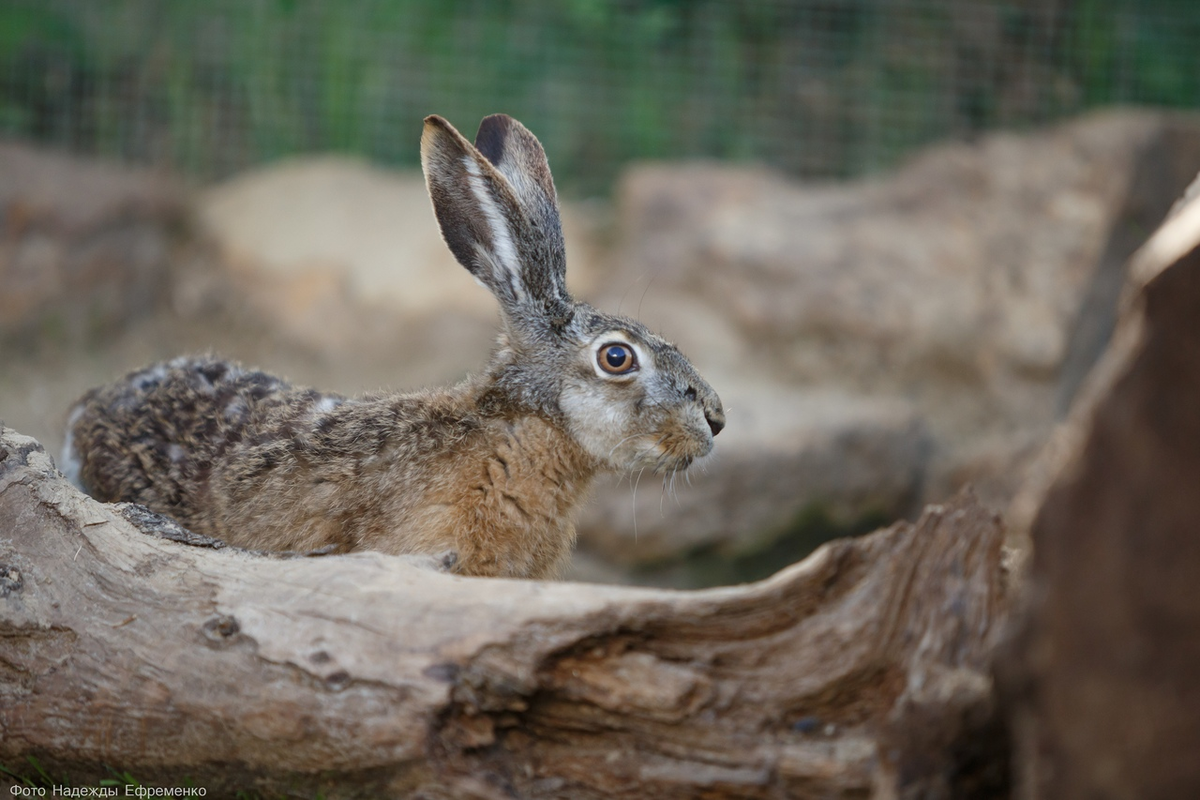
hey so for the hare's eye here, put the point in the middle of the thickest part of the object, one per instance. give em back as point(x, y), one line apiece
point(617, 359)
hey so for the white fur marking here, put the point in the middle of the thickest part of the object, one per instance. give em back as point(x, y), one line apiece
point(503, 248)
point(71, 464)
point(521, 183)
point(176, 453)
point(602, 427)
point(236, 409)
point(143, 380)
point(326, 404)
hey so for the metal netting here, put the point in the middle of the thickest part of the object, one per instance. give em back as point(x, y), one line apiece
point(821, 88)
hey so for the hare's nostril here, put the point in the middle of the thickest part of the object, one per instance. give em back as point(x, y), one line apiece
point(690, 394)
point(715, 422)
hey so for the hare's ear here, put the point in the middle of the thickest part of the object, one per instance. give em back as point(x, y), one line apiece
point(497, 210)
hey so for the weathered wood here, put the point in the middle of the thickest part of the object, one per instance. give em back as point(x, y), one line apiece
point(862, 671)
point(1102, 685)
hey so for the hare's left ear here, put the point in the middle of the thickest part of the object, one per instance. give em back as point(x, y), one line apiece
point(497, 209)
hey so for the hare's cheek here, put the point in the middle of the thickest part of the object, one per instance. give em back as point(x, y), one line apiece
point(600, 423)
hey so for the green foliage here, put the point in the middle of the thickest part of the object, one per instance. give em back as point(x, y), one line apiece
point(122, 778)
point(818, 87)
point(39, 778)
point(36, 779)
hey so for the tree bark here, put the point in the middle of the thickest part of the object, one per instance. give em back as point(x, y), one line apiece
point(129, 644)
point(1102, 683)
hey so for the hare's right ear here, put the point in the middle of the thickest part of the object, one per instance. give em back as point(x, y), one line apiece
point(498, 213)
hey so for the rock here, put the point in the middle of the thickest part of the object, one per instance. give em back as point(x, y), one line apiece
point(1101, 685)
point(361, 225)
point(333, 250)
point(84, 246)
point(956, 281)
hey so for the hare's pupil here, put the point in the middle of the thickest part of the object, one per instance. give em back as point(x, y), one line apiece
point(616, 356)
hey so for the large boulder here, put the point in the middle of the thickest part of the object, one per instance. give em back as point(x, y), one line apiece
point(361, 227)
point(967, 265)
point(339, 257)
point(956, 282)
point(85, 246)
point(333, 251)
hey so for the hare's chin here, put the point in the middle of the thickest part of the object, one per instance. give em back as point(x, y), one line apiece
point(660, 462)
point(676, 465)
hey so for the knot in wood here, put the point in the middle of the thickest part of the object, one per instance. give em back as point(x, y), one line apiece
point(337, 681)
point(221, 628)
point(11, 581)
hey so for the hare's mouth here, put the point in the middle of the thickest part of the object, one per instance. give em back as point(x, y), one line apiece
point(659, 464)
point(666, 465)
point(672, 449)
point(665, 456)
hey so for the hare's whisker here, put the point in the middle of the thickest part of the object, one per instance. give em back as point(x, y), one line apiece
point(623, 441)
point(643, 297)
point(634, 503)
point(629, 289)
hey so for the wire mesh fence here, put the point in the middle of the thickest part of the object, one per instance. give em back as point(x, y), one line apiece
point(821, 88)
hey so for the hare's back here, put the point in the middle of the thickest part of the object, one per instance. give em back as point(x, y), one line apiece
point(154, 436)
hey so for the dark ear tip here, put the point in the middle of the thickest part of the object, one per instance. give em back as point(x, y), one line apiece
point(439, 135)
point(438, 122)
point(493, 130)
point(496, 119)
point(501, 136)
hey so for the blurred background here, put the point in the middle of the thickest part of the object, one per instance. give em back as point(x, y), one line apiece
point(891, 234)
point(831, 89)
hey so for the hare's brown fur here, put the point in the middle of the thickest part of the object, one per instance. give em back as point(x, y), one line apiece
point(492, 469)
point(243, 457)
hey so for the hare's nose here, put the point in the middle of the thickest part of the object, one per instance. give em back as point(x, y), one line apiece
point(716, 420)
point(714, 416)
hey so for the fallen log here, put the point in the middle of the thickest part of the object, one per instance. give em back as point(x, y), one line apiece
point(130, 646)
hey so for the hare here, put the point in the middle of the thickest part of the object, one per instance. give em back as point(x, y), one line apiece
point(491, 469)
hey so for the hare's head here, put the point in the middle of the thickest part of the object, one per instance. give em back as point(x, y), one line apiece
point(630, 398)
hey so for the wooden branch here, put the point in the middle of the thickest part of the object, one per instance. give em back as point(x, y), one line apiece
point(126, 642)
